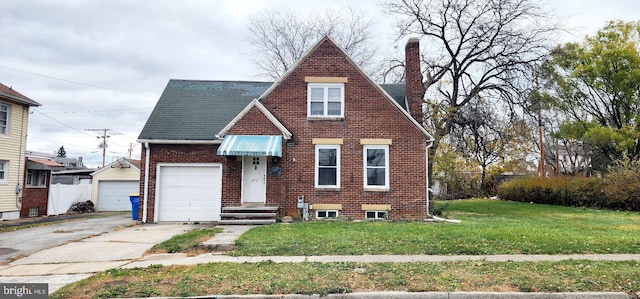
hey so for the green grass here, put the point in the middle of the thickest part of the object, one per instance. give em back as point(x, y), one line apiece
point(317, 278)
point(185, 241)
point(488, 227)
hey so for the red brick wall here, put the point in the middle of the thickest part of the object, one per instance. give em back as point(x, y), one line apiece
point(368, 114)
point(35, 197)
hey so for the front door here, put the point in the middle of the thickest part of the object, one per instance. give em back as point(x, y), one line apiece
point(254, 179)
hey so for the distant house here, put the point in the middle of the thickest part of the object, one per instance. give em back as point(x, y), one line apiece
point(71, 163)
point(323, 141)
point(113, 184)
point(14, 120)
point(74, 172)
point(37, 182)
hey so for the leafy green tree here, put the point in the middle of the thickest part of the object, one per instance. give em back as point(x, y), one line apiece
point(596, 84)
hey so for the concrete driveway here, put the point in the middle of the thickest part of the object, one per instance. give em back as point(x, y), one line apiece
point(26, 241)
point(63, 253)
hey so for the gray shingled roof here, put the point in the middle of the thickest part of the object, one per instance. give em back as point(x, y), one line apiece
point(198, 110)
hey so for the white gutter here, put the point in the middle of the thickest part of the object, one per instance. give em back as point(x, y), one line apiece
point(429, 191)
point(165, 141)
point(146, 181)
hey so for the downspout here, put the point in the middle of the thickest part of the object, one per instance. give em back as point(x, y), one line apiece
point(21, 159)
point(434, 217)
point(429, 145)
point(146, 181)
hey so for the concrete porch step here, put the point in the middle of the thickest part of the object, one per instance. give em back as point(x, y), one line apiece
point(249, 209)
point(248, 215)
point(246, 221)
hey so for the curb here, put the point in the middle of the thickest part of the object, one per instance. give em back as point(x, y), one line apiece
point(431, 295)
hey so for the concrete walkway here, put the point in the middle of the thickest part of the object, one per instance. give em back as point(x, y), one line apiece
point(124, 248)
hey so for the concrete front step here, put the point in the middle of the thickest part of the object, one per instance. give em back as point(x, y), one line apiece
point(246, 221)
point(248, 209)
point(247, 215)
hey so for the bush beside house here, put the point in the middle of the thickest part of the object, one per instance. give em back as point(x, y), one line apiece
point(617, 190)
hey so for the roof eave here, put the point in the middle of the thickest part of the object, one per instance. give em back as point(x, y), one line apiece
point(178, 141)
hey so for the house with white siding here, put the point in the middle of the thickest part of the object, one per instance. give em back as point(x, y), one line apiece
point(14, 120)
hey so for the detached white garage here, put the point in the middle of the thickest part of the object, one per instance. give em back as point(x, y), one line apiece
point(188, 192)
point(114, 183)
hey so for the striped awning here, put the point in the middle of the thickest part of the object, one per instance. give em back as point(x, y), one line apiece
point(251, 145)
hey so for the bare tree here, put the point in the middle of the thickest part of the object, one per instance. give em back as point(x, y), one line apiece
point(472, 49)
point(280, 39)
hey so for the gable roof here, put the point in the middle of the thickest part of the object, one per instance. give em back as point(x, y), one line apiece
point(195, 111)
point(120, 163)
point(9, 94)
point(255, 103)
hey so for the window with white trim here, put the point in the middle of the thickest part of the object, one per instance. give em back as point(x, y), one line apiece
point(322, 214)
point(375, 214)
point(4, 119)
point(376, 167)
point(36, 178)
point(327, 166)
point(325, 100)
point(4, 169)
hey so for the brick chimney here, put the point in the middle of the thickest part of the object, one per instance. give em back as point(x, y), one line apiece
point(413, 77)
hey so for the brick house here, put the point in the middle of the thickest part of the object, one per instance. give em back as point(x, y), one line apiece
point(37, 183)
point(322, 141)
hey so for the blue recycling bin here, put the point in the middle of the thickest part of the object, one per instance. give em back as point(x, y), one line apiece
point(135, 200)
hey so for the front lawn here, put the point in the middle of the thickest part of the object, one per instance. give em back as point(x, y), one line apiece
point(317, 278)
point(488, 227)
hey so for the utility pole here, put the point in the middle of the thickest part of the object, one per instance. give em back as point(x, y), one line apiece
point(103, 144)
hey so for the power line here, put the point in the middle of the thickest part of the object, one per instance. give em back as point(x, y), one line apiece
point(74, 82)
point(104, 137)
point(68, 126)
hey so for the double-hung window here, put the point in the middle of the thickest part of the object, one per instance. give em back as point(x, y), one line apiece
point(4, 168)
point(376, 167)
point(4, 119)
point(327, 166)
point(325, 100)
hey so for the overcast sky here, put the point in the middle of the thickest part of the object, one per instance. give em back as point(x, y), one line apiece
point(99, 64)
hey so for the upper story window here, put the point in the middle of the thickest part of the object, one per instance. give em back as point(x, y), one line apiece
point(4, 119)
point(325, 100)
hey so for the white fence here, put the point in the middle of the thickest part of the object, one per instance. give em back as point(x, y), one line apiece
point(61, 197)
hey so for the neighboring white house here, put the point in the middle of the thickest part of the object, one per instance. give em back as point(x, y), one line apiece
point(14, 120)
point(113, 184)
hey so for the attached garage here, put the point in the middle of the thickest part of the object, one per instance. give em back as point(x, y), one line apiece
point(114, 183)
point(188, 192)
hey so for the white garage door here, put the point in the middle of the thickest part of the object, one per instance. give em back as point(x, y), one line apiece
point(189, 193)
point(114, 195)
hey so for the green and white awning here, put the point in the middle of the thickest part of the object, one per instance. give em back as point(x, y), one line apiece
point(251, 145)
